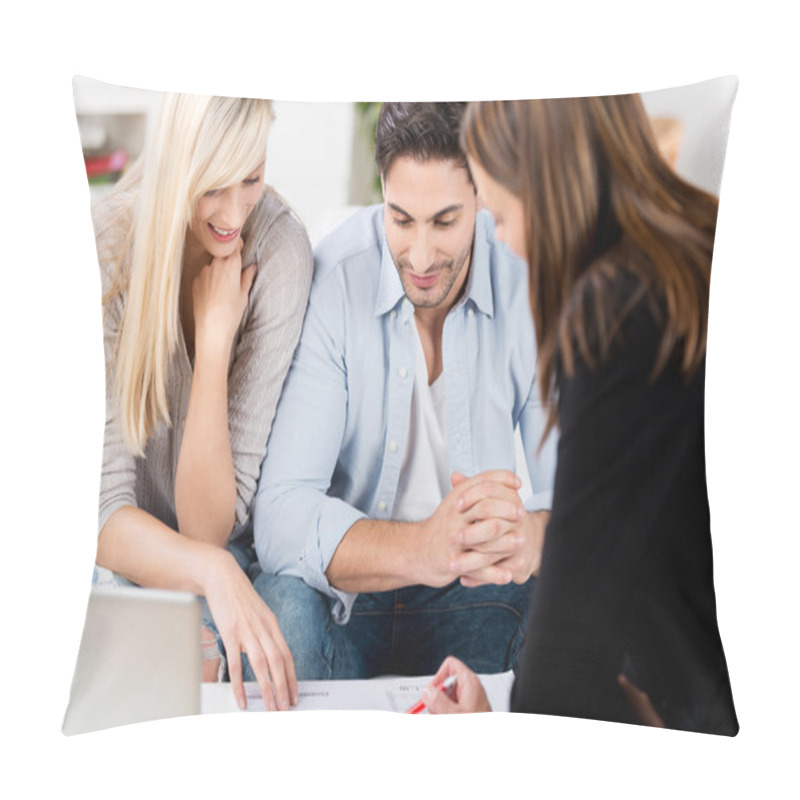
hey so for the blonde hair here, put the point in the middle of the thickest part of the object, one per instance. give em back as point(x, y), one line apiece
point(199, 143)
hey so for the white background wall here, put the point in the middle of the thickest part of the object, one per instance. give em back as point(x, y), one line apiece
point(308, 156)
point(311, 143)
point(704, 110)
point(308, 160)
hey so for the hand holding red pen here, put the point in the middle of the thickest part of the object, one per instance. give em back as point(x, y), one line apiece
point(447, 687)
point(466, 697)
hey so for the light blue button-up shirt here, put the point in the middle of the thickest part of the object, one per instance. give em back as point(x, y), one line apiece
point(341, 429)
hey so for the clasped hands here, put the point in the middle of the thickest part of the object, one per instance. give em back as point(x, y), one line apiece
point(482, 534)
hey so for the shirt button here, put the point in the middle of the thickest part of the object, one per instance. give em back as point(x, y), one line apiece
point(471, 312)
point(381, 506)
point(458, 441)
point(403, 372)
point(393, 446)
point(394, 314)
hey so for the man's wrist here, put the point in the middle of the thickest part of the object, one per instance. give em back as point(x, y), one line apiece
point(415, 562)
point(380, 555)
point(405, 544)
point(426, 559)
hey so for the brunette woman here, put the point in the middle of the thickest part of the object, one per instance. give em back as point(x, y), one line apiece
point(623, 623)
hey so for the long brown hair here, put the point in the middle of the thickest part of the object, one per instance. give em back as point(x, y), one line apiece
point(599, 198)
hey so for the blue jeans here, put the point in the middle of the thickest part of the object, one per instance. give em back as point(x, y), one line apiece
point(407, 631)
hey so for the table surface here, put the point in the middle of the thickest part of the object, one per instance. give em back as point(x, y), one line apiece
point(395, 694)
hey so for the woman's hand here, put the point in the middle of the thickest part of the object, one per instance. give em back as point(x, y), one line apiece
point(639, 703)
point(246, 625)
point(205, 480)
point(467, 697)
point(219, 298)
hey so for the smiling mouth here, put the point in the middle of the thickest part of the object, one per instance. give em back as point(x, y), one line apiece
point(223, 235)
point(424, 281)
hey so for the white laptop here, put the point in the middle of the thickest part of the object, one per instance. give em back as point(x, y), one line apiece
point(139, 659)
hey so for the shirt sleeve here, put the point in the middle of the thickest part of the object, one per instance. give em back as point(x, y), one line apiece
point(541, 461)
point(264, 352)
point(118, 474)
point(297, 526)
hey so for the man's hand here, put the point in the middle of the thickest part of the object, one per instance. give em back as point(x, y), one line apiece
point(449, 546)
point(473, 534)
point(517, 545)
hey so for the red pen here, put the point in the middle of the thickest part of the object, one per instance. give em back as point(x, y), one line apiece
point(448, 684)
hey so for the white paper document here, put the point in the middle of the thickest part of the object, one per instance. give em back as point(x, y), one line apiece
point(377, 694)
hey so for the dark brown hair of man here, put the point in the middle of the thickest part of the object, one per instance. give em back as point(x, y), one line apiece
point(421, 131)
point(599, 198)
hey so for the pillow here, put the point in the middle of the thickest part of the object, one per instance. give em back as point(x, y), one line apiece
point(320, 163)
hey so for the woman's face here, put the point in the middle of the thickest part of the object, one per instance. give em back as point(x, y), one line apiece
point(219, 215)
point(504, 206)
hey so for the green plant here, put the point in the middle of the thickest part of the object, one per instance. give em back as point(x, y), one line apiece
point(368, 121)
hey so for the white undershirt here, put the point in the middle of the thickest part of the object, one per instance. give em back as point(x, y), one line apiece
point(424, 477)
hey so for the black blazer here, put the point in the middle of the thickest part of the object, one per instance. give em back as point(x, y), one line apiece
point(626, 582)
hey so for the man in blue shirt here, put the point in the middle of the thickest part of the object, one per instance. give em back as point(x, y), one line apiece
point(388, 521)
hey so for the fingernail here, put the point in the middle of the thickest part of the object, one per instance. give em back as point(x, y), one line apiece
point(240, 702)
point(460, 503)
point(521, 512)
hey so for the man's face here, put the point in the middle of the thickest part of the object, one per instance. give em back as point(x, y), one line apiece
point(430, 226)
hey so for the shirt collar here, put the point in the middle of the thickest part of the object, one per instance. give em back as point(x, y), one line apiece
point(390, 287)
point(479, 287)
point(479, 291)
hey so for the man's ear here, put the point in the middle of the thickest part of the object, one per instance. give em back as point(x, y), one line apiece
point(475, 189)
point(383, 188)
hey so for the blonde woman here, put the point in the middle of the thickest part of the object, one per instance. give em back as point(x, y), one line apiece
point(205, 280)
